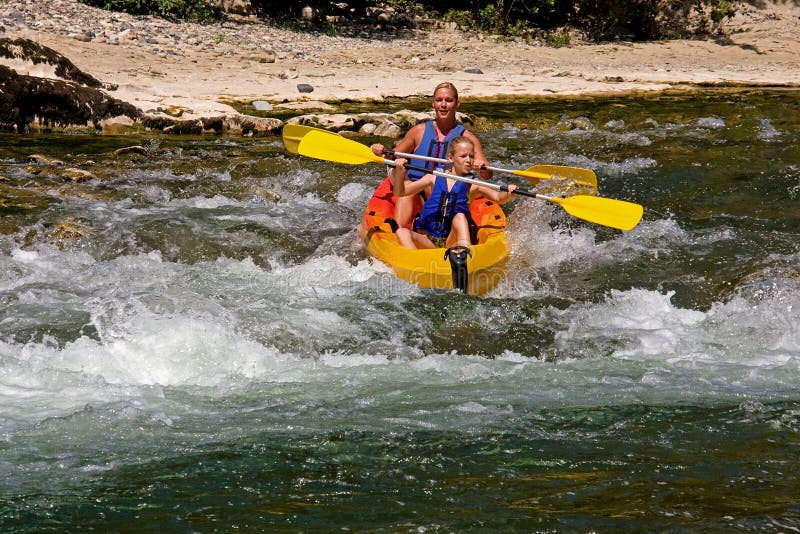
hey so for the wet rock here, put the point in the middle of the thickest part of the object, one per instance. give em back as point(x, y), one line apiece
point(39, 159)
point(185, 127)
point(135, 149)
point(157, 122)
point(254, 126)
point(382, 124)
point(77, 175)
point(574, 123)
point(18, 198)
point(333, 122)
point(69, 229)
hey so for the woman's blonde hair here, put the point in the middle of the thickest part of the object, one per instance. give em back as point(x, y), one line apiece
point(446, 85)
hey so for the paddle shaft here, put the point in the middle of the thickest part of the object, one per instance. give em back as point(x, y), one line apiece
point(473, 181)
point(606, 211)
point(293, 134)
point(586, 177)
point(442, 160)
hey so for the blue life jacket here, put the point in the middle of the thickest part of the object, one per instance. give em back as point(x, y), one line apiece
point(436, 217)
point(432, 147)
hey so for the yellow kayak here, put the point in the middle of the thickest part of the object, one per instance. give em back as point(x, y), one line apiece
point(485, 263)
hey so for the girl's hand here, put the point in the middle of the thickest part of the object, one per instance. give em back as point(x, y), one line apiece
point(377, 149)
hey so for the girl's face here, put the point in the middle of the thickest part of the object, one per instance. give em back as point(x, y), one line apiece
point(461, 156)
point(444, 102)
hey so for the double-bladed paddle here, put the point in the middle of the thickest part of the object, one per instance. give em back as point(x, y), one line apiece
point(294, 133)
point(609, 212)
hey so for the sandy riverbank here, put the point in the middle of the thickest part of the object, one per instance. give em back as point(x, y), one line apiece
point(197, 67)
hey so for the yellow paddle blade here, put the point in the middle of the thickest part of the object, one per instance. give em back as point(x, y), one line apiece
point(581, 177)
point(610, 212)
point(333, 147)
point(294, 133)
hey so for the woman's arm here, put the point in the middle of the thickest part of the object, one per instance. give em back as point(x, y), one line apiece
point(403, 187)
point(407, 144)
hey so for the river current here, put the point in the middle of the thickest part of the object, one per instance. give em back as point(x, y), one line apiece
point(194, 341)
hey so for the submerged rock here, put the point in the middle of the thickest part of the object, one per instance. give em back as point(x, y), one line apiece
point(135, 149)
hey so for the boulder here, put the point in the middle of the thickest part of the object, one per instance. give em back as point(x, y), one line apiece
point(77, 175)
point(25, 100)
point(22, 51)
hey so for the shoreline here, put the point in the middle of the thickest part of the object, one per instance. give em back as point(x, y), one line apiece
point(194, 70)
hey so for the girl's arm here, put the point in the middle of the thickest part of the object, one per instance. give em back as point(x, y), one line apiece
point(501, 197)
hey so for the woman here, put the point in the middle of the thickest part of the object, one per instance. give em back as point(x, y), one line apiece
point(432, 138)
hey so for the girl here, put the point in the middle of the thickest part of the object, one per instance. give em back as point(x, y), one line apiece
point(443, 221)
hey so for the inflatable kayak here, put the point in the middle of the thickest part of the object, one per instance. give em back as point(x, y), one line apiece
point(485, 260)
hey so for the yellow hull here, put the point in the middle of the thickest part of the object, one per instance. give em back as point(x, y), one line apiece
point(430, 267)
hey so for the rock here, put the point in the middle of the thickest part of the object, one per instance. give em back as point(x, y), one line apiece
point(135, 149)
point(191, 126)
point(574, 123)
point(388, 129)
point(308, 104)
point(267, 56)
point(235, 7)
point(70, 229)
point(305, 88)
point(25, 99)
point(23, 199)
point(261, 105)
point(117, 125)
point(77, 175)
point(254, 126)
point(367, 128)
point(473, 71)
point(44, 160)
point(31, 51)
point(157, 122)
point(334, 122)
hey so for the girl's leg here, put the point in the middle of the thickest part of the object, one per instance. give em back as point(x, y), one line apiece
point(459, 232)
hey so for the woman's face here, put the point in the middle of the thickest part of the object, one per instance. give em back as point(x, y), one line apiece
point(445, 102)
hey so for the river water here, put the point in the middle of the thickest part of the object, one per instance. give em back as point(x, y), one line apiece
point(195, 342)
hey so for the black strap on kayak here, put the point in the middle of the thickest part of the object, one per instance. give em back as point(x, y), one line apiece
point(458, 265)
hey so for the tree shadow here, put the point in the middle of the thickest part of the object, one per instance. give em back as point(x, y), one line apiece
point(726, 40)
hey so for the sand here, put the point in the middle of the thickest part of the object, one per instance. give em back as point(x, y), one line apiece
point(760, 46)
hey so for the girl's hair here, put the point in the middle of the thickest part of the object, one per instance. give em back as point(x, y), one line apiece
point(446, 85)
point(457, 141)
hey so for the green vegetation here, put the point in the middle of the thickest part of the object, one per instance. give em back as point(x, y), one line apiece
point(547, 19)
point(193, 10)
